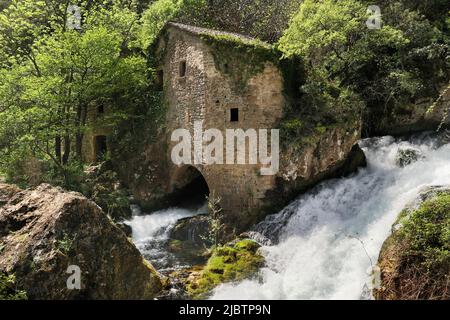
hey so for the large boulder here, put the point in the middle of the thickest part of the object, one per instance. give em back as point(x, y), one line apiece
point(46, 230)
point(415, 259)
point(193, 229)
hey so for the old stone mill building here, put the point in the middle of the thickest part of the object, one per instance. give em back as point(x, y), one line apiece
point(227, 81)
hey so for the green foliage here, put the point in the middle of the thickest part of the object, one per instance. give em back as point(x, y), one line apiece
point(332, 36)
point(415, 259)
point(426, 231)
point(107, 192)
point(229, 263)
point(65, 244)
point(239, 58)
point(8, 288)
point(162, 11)
point(133, 132)
point(215, 218)
point(292, 127)
point(262, 19)
point(386, 68)
point(52, 79)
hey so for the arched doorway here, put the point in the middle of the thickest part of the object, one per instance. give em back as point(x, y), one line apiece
point(189, 187)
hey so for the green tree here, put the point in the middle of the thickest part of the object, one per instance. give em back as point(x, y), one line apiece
point(44, 100)
point(387, 67)
point(162, 11)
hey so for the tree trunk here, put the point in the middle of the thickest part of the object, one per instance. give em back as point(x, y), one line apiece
point(83, 114)
point(58, 148)
point(79, 145)
point(66, 155)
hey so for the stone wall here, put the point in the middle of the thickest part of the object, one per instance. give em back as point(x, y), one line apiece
point(207, 92)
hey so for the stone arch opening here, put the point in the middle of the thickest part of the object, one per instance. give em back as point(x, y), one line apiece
point(189, 187)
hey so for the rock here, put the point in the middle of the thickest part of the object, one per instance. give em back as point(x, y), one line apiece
point(407, 156)
point(46, 230)
point(193, 229)
point(256, 236)
point(415, 259)
point(423, 115)
point(235, 261)
point(6, 192)
point(125, 228)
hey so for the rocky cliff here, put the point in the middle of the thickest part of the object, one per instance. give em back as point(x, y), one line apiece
point(424, 114)
point(46, 230)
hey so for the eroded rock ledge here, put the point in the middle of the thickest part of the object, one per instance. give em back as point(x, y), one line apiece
point(45, 230)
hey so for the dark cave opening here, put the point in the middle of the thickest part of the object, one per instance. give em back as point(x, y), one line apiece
point(190, 188)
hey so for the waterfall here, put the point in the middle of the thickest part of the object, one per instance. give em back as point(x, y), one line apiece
point(325, 242)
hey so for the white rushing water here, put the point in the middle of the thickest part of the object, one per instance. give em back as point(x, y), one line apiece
point(330, 237)
point(151, 232)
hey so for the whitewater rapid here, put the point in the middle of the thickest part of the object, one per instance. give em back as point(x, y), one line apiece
point(151, 232)
point(329, 239)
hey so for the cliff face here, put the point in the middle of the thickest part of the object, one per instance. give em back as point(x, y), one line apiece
point(46, 230)
point(323, 155)
point(415, 259)
point(425, 114)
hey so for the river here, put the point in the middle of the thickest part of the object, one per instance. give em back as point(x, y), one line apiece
point(325, 244)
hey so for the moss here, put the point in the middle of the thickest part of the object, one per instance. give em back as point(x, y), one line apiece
point(65, 244)
point(240, 59)
point(321, 129)
point(233, 262)
point(427, 230)
point(415, 260)
point(248, 245)
point(175, 245)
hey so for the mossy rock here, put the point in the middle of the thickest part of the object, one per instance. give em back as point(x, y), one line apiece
point(415, 259)
point(235, 261)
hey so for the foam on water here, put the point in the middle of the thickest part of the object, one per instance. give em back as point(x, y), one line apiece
point(151, 232)
point(329, 238)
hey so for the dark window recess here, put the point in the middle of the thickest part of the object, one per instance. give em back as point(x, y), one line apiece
point(182, 69)
point(234, 115)
point(100, 110)
point(100, 147)
point(159, 80)
point(226, 68)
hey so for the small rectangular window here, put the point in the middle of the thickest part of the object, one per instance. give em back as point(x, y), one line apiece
point(182, 69)
point(234, 115)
